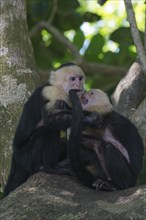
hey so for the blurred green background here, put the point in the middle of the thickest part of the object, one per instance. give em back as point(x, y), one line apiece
point(101, 34)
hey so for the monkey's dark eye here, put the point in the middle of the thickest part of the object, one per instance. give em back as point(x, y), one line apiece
point(92, 93)
point(73, 78)
point(80, 78)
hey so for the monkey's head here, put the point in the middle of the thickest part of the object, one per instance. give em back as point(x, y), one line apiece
point(96, 100)
point(68, 77)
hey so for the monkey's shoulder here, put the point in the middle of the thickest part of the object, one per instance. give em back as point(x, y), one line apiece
point(53, 93)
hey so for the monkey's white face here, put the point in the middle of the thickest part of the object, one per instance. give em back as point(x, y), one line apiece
point(75, 82)
point(96, 100)
point(69, 77)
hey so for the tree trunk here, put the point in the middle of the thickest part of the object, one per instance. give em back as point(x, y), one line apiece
point(129, 98)
point(52, 197)
point(18, 75)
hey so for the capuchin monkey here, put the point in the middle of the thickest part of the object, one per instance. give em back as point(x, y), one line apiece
point(36, 144)
point(115, 148)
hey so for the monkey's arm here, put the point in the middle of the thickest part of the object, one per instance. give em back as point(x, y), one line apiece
point(92, 119)
point(59, 117)
point(97, 144)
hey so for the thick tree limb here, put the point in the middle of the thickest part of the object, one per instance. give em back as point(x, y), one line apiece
point(130, 91)
point(139, 119)
point(94, 68)
point(53, 197)
point(129, 98)
point(136, 35)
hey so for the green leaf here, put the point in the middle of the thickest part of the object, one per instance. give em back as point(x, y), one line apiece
point(67, 21)
point(67, 6)
point(38, 10)
point(90, 17)
point(122, 36)
point(95, 47)
point(79, 39)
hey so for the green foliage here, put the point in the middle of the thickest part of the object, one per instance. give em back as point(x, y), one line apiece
point(95, 47)
point(122, 36)
point(100, 32)
point(38, 10)
point(90, 17)
point(79, 39)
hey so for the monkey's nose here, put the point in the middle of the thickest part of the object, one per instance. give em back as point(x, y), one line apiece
point(84, 100)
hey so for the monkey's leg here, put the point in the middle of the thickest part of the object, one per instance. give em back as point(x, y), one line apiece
point(118, 167)
point(98, 146)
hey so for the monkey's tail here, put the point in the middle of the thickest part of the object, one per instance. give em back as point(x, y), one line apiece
point(15, 178)
point(75, 140)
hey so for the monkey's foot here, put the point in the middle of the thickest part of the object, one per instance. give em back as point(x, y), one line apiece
point(100, 184)
point(64, 167)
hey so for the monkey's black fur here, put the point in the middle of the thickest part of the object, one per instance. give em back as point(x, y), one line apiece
point(36, 143)
point(66, 64)
point(123, 174)
point(35, 147)
point(74, 144)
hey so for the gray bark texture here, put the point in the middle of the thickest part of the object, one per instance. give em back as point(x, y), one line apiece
point(129, 98)
point(52, 197)
point(18, 75)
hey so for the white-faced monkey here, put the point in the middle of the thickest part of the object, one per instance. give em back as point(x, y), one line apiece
point(37, 138)
point(115, 148)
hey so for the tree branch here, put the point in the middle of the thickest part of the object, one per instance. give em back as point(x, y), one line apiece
point(135, 34)
point(46, 196)
point(93, 68)
point(58, 35)
point(54, 10)
point(130, 91)
point(79, 60)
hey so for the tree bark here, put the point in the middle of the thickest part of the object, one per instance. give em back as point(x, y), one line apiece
point(18, 75)
point(52, 197)
point(129, 98)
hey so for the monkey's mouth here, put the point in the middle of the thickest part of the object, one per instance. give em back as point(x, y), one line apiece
point(84, 100)
point(78, 91)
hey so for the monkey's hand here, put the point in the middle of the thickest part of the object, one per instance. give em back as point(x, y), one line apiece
point(61, 105)
point(60, 120)
point(92, 119)
point(90, 141)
